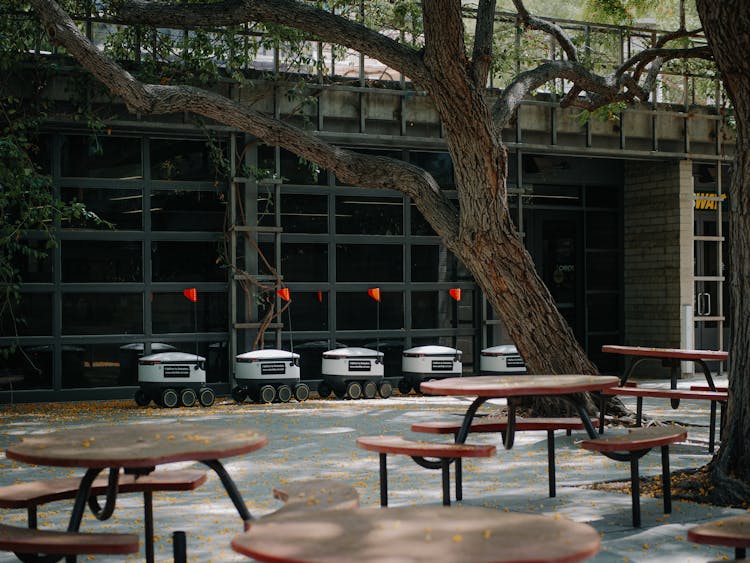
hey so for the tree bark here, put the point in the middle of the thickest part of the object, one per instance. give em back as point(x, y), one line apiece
point(727, 28)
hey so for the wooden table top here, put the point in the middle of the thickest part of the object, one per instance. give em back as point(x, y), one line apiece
point(418, 534)
point(733, 531)
point(674, 353)
point(518, 385)
point(133, 444)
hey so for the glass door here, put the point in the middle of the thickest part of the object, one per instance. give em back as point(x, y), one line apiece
point(710, 293)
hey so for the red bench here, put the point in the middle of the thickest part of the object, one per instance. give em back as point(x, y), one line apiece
point(500, 424)
point(30, 541)
point(634, 445)
point(315, 494)
point(32, 494)
point(419, 451)
point(702, 393)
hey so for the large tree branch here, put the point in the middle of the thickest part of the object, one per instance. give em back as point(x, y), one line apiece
point(351, 167)
point(321, 25)
point(482, 52)
point(550, 28)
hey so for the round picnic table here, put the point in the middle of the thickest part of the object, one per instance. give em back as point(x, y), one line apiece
point(484, 387)
point(418, 534)
point(136, 449)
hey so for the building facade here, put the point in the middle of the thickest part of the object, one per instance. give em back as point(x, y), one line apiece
point(624, 219)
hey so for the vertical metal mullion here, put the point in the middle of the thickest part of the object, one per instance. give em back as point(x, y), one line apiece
point(331, 199)
point(147, 244)
point(232, 251)
point(57, 295)
point(720, 257)
point(277, 255)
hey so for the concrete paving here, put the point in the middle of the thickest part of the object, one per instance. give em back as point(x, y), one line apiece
point(317, 439)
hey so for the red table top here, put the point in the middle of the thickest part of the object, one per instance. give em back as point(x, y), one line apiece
point(518, 385)
point(674, 353)
point(417, 534)
point(134, 445)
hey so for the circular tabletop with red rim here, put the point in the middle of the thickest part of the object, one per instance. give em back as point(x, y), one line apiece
point(518, 385)
point(673, 353)
point(133, 444)
point(418, 534)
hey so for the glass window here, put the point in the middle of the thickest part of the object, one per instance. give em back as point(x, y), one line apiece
point(542, 194)
point(438, 164)
point(311, 356)
point(36, 267)
point(186, 261)
point(122, 208)
point(216, 354)
point(419, 225)
point(171, 312)
point(99, 156)
point(604, 312)
point(598, 196)
point(300, 213)
point(86, 261)
point(369, 216)
point(31, 317)
point(603, 270)
point(432, 263)
point(30, 367)
point(308, 311)
point(369, 262)
point(91, 365)
point(358, 311)
point(102, 313)
point(602, 231)
point(304, 262)
point(41, 153)
point(433, 309)
point(392, 350)
point(296, 170)
point(183, 210)
point(173, 159)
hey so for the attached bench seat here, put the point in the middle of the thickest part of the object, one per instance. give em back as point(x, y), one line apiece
point(500, 424)
point(32, 494)
point(315, 494)
point(698, 392)
point(419, 451)
point(31, 541)
point(633, 446)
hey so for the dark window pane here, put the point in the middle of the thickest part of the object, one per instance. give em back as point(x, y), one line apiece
point(186, 261)
point(128, 359)
point(369, 262)
point(432, 263)
point(602, 230)
point(171, 312)
point(603, 271)
point(180, 210)
point(433, 309)
point(308, 311)
point(299, 213)
point(369, 216)
point(30, 367)
point(216, 354)
point(102, 313)
point(304, 262)
point(419, 225)
point(182, 160)
point(311, 356)
point(296, 170)
point(41, 154)
point(603, 312)
point(86, 261)
point(94, 156)
point(31, 317)
point(392, 353)
point(598, 196)
point(438, 164)
point(358, 311)
point(122, 208)
point(35, 267)
point(91, 365)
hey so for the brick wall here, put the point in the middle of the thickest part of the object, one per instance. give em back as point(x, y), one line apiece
point(658, 253)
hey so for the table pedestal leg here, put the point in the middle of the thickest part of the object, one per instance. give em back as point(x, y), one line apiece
point(230, 488)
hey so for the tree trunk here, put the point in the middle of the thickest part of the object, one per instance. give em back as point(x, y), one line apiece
point(727, 28)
